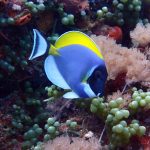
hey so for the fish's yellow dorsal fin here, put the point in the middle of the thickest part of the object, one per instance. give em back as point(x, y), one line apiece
point(77, 37)
point(53, 50)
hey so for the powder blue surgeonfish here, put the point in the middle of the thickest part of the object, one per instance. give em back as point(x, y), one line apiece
point(74, 63)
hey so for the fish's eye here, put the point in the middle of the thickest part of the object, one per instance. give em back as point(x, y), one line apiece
point(97, 74)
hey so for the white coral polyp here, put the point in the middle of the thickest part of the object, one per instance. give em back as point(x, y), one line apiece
point(41, 1)
point(16, 7)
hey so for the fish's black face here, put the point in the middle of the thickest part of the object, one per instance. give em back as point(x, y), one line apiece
point(97, 80)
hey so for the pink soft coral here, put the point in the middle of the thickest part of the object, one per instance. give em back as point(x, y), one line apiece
point(141, 35)
point(64, 143)
point(123, 60)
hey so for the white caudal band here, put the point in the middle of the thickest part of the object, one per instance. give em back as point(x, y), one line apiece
point(88, 90)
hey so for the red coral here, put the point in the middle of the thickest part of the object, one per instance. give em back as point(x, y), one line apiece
point(145, 141)
point(21, 16)
point(115, 33)
point(23, 19)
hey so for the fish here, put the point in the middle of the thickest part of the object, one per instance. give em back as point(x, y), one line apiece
point(74, 63)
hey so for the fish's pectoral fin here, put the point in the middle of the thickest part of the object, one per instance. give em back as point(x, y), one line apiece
point(88, 90)
point(40, 45)
point(71, 95)
point(53, 51)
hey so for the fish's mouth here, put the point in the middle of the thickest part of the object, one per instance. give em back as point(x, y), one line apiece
point(97, 87)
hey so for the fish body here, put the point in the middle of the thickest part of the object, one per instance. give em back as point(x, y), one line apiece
point(73, 64)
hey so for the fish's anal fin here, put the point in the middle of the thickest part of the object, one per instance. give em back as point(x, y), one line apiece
point(70, 95)
point(53, 51)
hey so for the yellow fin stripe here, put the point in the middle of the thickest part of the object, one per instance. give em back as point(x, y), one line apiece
point(76, 37)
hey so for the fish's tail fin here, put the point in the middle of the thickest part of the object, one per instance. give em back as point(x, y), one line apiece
point(40, 45)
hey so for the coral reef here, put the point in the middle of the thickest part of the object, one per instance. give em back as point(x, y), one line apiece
point(33, 113)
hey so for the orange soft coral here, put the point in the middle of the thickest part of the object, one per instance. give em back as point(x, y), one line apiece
point(121, 59)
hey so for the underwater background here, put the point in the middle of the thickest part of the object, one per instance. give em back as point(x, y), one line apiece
point(109, 108)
